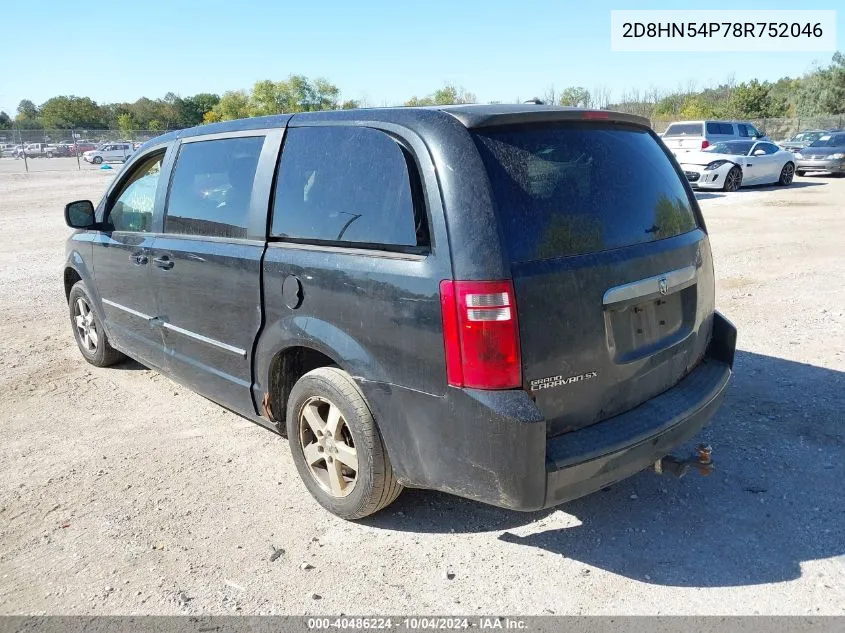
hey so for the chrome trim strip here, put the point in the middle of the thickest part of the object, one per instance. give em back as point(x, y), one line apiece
point(673, 280)
point(204, 339)
point(147, 317)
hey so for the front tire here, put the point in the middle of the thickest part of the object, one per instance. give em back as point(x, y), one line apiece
point(733, 179)
point(800, 172)
point(97, 160)
point(786, 174)
point(336, 446)
point(88, 331)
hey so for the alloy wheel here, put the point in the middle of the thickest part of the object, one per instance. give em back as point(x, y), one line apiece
point(328, 446)
point(734, 179)
point(85, 325)
point(787, 173)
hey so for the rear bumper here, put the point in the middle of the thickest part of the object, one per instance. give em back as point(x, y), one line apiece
point(584, 461)
point(491, 446)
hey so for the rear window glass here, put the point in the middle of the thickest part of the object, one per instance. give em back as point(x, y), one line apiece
point(573, 189)
point(714, 127)
point(684, 129)
point(342, 185)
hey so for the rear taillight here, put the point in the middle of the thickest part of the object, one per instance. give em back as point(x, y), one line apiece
point(481, 334)
point(705, 144)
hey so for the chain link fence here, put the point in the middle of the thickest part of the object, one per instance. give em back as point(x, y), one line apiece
point(23, 150)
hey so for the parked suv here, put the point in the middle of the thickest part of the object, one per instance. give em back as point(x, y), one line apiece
point(109, 152)
point(513, 304)
point(694, 136)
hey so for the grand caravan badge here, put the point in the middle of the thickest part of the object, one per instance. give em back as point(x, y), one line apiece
point(559, 381)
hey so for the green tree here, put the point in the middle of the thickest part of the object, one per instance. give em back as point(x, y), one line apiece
point(753, 100)
point(234, 104)
point(126, 124)
point(192, 109)
point(449, 94)
point(697, 108)
point(5, 121)
point(154, 125)
point(575, 97)
point(27, 110)
point(420, 101)
point(71, 112)
point(823, 91)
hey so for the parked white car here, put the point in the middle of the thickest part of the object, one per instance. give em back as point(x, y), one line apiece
point(734, 164)
point(694, 136)
point(109, 153)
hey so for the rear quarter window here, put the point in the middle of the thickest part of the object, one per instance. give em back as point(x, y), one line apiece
point(684, 129)
point(573, 189)
point(348, 185)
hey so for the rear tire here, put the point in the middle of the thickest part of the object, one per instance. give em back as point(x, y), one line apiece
point(786, 174)
point(733, 179)
point(88, 331)
point(336, 446)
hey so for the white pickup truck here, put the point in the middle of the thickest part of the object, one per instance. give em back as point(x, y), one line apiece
point(39, 150)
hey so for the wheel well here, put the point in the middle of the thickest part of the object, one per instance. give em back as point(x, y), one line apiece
point(287, 367)
point(71, 277)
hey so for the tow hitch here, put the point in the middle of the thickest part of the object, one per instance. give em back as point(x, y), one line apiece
point(701, 461)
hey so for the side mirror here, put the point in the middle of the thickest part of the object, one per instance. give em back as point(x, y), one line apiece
point(80, 214)
point(759, 152)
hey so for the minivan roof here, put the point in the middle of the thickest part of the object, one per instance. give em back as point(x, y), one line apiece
point(470, 115)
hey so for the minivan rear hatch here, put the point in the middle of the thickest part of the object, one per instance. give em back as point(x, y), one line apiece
point(684, 137)
point(611, 269)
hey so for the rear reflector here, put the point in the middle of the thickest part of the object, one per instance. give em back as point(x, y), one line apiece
point(705, 144)
point(480, 334)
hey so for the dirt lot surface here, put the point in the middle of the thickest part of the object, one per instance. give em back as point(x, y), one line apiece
point(122, 492)
point(10, 165)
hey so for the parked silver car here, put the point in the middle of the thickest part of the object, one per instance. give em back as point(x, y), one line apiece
point(827, 153)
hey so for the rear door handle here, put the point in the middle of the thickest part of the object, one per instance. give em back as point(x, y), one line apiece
point(139, 259)
point(164, 262)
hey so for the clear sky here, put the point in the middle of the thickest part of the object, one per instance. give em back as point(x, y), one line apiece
point(378, 50)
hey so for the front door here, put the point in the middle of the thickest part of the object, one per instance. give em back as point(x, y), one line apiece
point(122, 264)
point(206, 266)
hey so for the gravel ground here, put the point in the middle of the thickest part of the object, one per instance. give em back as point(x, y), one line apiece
point(123, 493)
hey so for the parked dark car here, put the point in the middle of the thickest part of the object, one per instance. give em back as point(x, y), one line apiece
point(826, 153)
point(513, 304)
point(801, 140)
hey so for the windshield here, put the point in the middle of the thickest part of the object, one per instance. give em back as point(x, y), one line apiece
point(829, 140)
point(806, 136)
point(684, 129)
point(569, 189)
point(737, 148)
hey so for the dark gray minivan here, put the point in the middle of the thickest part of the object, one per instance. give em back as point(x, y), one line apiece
point(513, 304)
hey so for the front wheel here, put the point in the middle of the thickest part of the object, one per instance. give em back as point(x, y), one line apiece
point(336, 446)
point(733, 181)
point(786, 174)
point(97, 160)
point(800, 172)
point(88, 331)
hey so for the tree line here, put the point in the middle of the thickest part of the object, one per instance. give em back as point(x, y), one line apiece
point(819, 92)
